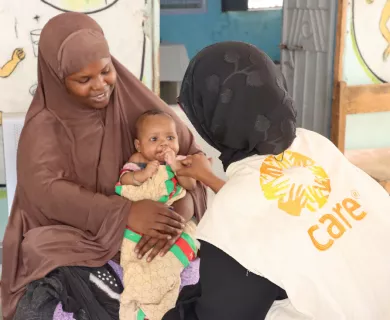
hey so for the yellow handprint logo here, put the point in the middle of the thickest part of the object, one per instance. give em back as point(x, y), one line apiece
point(295, 202)
point(274, 190)
point(294, 196)
point(270, 170)
point(299, 160)
point(316, 197)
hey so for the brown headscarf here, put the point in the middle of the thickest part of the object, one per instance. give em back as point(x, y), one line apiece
point(65, 211)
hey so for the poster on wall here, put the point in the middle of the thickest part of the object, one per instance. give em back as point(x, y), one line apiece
point(126, 24)
point(366, 61)
point(368, 40)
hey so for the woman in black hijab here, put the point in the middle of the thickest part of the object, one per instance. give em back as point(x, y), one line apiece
point(236, 98)
point(277, 223)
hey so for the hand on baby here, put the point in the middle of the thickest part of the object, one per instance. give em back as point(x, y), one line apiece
point(154, 246)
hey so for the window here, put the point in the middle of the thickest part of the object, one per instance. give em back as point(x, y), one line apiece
point(245, 5)
point(264, 4)
point(183, 6)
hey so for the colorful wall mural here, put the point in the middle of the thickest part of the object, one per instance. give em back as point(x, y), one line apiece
point(367, 46)
point(367, 60)
point(371, 37)
point(85, 6)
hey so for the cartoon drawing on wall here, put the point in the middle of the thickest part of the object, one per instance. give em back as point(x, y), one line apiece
point(17, 56)
point(371, 37)
point(136, 25)
point(16, 28)
point(385, 16)
point(34, 36)
point(84, 6)
point(145, 26)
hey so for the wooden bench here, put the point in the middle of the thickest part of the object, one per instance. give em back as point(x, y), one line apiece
point(348, 100)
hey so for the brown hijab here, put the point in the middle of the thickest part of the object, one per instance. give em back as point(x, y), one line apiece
point(65, 211)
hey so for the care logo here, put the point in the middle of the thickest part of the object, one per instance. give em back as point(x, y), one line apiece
point(295, 181)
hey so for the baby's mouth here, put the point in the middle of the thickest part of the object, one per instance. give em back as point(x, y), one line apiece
point(160, 156)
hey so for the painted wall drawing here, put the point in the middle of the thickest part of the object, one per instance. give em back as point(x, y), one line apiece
point(35, 35)
point(84, 6)
point(385, 16)
point(371, 37)
point(17, 56)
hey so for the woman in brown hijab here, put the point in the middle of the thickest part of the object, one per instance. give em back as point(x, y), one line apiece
point(78, 133)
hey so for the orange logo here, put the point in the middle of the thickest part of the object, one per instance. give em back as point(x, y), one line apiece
point(277, 182)
point(332, 226)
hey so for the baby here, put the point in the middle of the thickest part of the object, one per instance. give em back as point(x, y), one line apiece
point(152, 288)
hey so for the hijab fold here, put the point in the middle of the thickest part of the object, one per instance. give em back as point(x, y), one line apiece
point(65, 211)
point(237, 100)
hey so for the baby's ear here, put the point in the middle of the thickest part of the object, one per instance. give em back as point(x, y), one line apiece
point(136, 144)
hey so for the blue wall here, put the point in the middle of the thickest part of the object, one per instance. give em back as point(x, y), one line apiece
point(195, 31)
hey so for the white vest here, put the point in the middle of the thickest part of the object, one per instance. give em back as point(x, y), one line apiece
point(313, 224)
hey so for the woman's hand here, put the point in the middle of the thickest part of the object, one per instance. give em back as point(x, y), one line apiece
point(158, 246)
point(155, 219)
point(196, 166)
point(185, 208)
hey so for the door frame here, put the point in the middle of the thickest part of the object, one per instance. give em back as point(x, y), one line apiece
point(338, 119)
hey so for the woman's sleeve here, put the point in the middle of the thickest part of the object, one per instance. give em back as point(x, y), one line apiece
point(48, 194)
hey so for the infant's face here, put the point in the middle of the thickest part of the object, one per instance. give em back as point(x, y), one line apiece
point(157, 133)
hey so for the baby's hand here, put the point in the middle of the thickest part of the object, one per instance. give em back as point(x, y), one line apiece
point(152, 168)
point(169, 157)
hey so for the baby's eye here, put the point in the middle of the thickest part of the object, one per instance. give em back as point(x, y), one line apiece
point(171, 138)
point(153, 139)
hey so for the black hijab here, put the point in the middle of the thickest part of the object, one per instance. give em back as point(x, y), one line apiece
point(237, 100)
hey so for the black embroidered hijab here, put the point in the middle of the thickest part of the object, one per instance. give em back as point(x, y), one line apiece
point(237, 100)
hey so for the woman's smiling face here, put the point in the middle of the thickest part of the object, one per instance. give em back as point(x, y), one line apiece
point(94, 84)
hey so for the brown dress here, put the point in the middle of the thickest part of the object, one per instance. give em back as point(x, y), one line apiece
point(65, 212)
